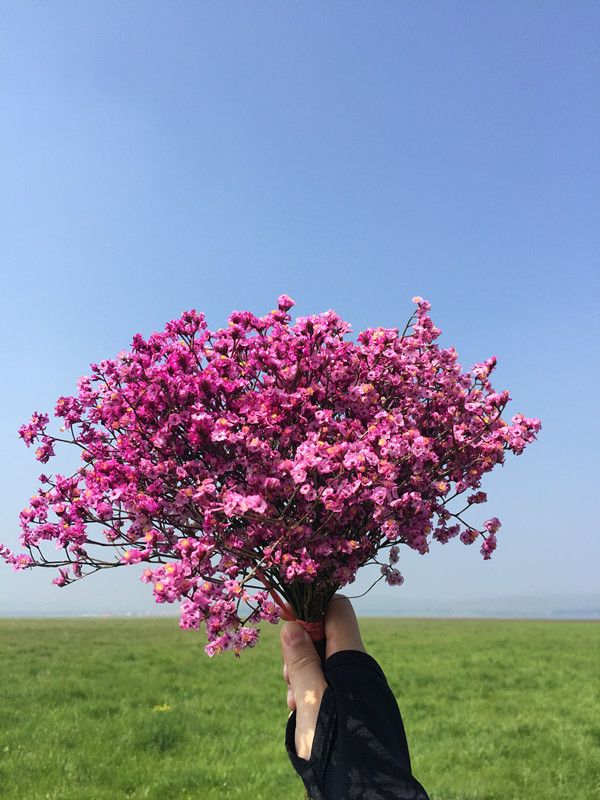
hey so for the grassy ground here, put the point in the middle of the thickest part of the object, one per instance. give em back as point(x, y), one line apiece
point(111, 709)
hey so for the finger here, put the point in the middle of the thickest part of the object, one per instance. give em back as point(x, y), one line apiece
point(307, 683)
point(303, 663)
point(341, 627)
point(291, 701)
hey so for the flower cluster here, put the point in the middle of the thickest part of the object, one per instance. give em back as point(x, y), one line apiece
point(266, 456)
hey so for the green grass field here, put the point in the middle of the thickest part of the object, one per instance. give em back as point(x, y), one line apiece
point(104, 709)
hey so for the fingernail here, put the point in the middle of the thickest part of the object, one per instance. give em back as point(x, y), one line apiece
point(294, 634)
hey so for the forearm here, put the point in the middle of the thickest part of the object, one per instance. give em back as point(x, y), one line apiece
point(359, 748)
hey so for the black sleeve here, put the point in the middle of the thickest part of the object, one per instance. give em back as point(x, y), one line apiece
point(359, 751)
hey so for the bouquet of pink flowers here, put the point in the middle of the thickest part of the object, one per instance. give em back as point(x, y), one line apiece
point(256, 468)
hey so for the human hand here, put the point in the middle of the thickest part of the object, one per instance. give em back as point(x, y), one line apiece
point(303, 670)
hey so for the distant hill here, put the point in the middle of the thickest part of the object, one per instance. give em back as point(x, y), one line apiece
point(560, 606)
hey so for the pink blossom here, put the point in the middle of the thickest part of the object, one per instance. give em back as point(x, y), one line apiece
point(132, 557)
point(488, 547)
point(266, 454)
point(469, 535)
point(285, 302)
point(46, 450)
point(478, 497)
point(32, 430)
point(492, 524)
point(18, 562)
point(63, 578)
point(392, 575)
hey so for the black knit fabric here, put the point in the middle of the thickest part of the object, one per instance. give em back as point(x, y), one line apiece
point(359, 751)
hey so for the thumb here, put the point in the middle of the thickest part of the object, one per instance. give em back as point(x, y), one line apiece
point(307, 682)
point(302, 662)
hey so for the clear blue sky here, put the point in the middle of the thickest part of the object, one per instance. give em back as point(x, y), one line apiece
point(162, 156)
